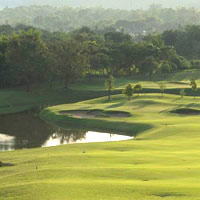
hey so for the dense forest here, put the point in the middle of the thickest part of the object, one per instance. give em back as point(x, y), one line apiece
point(134, 22)
point(31, 56)
point(42, 43)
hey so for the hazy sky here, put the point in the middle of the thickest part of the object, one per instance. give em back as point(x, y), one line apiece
point(118, 4)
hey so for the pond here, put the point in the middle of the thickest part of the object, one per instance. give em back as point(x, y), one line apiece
point(26, 130)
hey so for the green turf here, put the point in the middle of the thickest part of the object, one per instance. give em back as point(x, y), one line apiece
point(16, 100)
point(162, 162)
point(174, 80)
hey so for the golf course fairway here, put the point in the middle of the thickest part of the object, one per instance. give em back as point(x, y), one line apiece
point(162, 162)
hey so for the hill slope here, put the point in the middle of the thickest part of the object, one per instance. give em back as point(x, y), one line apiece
point(120, 4)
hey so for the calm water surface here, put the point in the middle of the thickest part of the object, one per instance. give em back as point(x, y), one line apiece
point(25, 130)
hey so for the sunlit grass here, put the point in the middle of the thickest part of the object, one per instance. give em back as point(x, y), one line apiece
point(162, 162)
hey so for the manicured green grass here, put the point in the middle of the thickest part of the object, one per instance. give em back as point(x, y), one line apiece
point(97, 84)
point(16, 100)
point(175, 80)
point(147, 110)
point(162, 162)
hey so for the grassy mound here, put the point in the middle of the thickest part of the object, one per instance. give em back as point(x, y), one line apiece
point(142, 113)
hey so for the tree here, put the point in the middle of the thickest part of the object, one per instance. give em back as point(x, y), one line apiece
point(182, 93)
point(53, 72)
point(99, 62)
point(193, 84)
point(71, 59)
point(5, 78)
point(162, 86)
point(149, 65)
point(165, 67)
point(138, 88)
point(170, 37)
point(26, 56)
point(155, 39)
point(117, 37)
point(126, 57)
point(6, 29)
point(128, 91)
point(109, 85)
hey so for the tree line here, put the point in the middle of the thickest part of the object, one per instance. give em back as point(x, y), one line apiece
point(130, 89)
point(134, 22)
point(186, 41)
point(31, 56)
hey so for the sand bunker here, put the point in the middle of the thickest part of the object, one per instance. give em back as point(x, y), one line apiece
point(95, 114)
point(186, 111)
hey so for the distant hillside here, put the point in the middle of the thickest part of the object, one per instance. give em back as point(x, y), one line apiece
point(64, 19)
point(116, 4)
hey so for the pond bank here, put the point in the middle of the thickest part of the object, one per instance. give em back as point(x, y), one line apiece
point(28, 131)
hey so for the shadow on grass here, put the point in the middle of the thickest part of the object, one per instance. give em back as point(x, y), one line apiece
point(2, 164)
point(186, 111)
point(165, 195)
point(116, 105)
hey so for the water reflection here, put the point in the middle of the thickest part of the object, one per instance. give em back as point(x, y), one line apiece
point(87, 137)
point(6, 142)
point(25, 130)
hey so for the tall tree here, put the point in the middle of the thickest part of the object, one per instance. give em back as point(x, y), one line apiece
point(5, 79)
point(71, 59)
point(117, 37)
point(109, 85)
point(26, 56)
point(128, 91)
point(162, 85)
point(138, 88)
point(193, 85)
point(100, 62)
point(149, 65)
